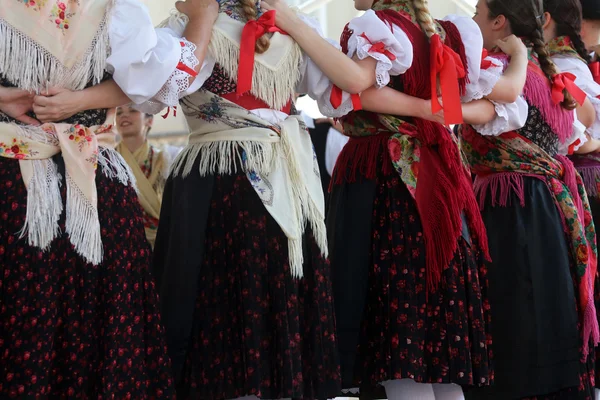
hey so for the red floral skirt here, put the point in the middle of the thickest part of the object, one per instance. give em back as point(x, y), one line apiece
point(238, 324)
point(69, 329)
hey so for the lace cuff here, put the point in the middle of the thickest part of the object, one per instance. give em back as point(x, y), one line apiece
point(327, 109)
point(486, 82)
point(179, 81)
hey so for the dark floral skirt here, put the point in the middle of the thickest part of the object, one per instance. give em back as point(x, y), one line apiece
point(70, 329)
point(238, 323)
point(533, 299)
point(389, 327)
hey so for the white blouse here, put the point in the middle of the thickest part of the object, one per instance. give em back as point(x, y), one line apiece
point(368, 29)
point(143, 60)
point(585, 81)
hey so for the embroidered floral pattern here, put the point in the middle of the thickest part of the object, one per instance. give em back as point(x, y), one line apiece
point(79, 135)
point(36, 5)
point(262, 186)
point(60, 15)
point(18, 149)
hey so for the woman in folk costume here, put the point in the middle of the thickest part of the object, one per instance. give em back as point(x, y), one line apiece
point(78, 308)
point(149, 164)
point(538, 221)
point(570, 54)
point(409, 259)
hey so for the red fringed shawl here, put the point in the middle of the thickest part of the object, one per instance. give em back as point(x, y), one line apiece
point(444, 189)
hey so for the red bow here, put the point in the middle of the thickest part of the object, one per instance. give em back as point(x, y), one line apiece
point(563, 81)
point(379, 47)
point(253, 31)
point(448, 65)
point(595, 68)
point(336, 99)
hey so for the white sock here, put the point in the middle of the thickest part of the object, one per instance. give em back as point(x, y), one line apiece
point(404, 389)
point(448, 392)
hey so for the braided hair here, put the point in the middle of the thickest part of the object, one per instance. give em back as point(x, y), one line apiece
point(251, 13)
point(567, 15)
point(526, 18)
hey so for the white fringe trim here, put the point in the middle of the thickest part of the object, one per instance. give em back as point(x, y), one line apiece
point(114, 166)
point(44, 204)
point(83, 225)
point(225, 157)
point(275, 87)
point(31, 67)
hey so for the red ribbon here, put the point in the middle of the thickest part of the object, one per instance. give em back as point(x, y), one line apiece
point(253, 31)
point(566, 80)
point(182, 67)
point(595, 68)
point(379, 47)
point(485, 64)
point(446, 64)
point(336, 99)
point(166, 115)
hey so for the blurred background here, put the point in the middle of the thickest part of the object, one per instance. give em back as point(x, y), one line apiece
point(333, 15)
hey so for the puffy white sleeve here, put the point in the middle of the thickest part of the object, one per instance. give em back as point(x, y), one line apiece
point(149, 64)
point(371, 37)
point(509, 117)
point(585, 81)
point(483, 74)
point(387, 44)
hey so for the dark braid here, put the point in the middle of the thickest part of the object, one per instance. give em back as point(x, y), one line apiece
point(567, 16)
point(526, 18)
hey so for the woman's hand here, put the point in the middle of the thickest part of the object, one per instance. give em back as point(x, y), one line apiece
point(205, 10)
point(16, 103)
point(512, 46)
point(57, 105)
point(285, 17)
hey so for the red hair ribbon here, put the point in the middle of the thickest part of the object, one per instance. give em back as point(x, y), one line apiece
point(595, 68)
point(446, 64)
point(182, 67)
point(566, 80)
point(336, 99)
point(379, 47)
point(253, 31)
point(166, 115)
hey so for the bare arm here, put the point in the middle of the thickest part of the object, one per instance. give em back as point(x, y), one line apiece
point(511, 83)
point(389, 101)
point(586, 114)
point(591, 146)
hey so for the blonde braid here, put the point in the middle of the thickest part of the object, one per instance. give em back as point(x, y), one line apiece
point(424, 17)
point(250, 12)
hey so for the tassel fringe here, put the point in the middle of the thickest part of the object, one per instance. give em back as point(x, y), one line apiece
point(82, 225)
point(44, 205)
point(30, 67)
point(113, 166)
point(225, 158)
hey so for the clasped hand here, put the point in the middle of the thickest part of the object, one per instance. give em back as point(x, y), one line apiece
point(52, 106)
